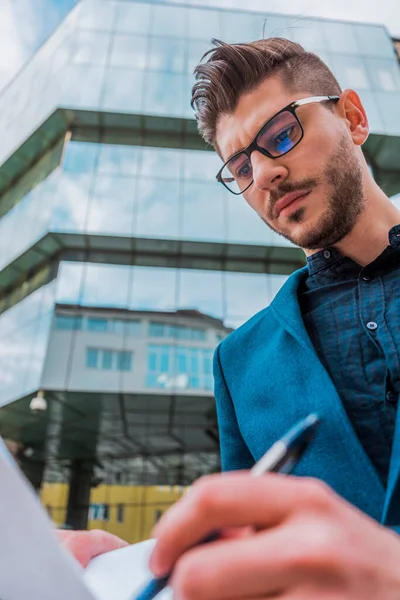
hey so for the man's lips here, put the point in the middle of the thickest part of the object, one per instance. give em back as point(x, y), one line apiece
point(287, 200)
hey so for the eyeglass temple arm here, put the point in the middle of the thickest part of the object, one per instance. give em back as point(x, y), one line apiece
point(315, 99)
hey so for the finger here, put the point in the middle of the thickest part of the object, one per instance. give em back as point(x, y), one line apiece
point(85, 545)
point(230, 500)
point(259, 566)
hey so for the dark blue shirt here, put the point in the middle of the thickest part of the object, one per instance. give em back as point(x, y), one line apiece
point(352, 315)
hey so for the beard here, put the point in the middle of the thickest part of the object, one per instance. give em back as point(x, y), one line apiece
point(345, 202)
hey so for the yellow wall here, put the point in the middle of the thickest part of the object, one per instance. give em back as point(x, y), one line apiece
point(141, 506)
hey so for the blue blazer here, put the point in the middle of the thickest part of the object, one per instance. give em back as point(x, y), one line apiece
point(267, 377)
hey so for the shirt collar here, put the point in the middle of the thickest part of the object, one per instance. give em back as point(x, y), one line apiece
point(327, 257)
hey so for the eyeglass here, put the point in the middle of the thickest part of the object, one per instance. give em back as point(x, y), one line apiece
point(277, 137)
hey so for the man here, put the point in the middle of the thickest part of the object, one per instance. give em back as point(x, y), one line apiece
point(290, 141)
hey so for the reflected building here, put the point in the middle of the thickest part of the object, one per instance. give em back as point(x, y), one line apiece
point(122, 262)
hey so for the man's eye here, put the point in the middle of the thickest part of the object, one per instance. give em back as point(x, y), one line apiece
point(244, 171)
point(283, 136)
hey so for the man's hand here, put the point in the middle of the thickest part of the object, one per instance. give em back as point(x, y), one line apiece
point(304, 543)
point(85, 545)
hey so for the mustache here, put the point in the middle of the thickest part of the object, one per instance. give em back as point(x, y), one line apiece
point(287, 188)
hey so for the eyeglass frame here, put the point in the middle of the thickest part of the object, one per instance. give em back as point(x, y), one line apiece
point(254, 146)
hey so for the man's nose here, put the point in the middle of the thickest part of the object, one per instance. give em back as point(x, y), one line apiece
point(268, 173)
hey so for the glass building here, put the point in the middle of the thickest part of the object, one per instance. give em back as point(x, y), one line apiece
point(123, 263)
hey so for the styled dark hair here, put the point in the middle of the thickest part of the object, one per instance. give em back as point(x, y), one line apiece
point(234, 69)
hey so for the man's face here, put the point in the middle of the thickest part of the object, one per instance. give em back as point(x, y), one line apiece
point(323, 172)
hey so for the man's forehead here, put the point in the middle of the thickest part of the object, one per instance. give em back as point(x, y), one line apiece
point(236, 130)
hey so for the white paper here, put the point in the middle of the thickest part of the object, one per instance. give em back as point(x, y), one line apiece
point(121, 574)
point(33, 565)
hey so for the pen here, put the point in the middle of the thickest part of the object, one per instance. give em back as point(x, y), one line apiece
point(280, 458)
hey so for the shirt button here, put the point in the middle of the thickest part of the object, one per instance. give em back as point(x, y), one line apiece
point(366, 278)
point(372, 325)
point(390, 396)
point(327, 254)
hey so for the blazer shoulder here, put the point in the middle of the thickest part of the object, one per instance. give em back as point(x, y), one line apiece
point(246, 330)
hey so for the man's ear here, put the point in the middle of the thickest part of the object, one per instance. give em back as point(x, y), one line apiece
point(352, 111)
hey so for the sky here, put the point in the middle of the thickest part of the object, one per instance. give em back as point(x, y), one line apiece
point(26, 24)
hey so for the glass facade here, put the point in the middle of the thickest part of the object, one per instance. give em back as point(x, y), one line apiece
point(150, 262)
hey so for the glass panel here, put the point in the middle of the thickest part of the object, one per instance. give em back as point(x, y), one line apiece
point(156, 329)
point(105, 285)
point(68, 322)
point(340, 37)
point(246, 294)
point(389, 109)
point(169, 21)
point(107, 359)
point(163, 94)
point(92, 357)
point(384, 74)
point(167, 54)
point(69, 283)
point(133, 17)
point(81, 86)
point(90, 47)
point(123, 90)
point(245, 27)
point(121, 160)
point(161, 162)
point(112, 205)
point(204, 24)
point(80, 156)
point(200, 201)
point(374, 40)
point(194, 292)
point(243, 223)
point(201, 166)
point(350, 71)
point(97, 324)
point(158, 208)
point(70, 202)
point(129, 51)
point(97, 15)
point(307, 32)
point(146, 296)
point(124, 361)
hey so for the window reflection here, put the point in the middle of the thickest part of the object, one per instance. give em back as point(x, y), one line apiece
point(123, 90)
point(158, 207)
point(169, 21)
point(204, 24)
point(122, 160)
point(112, 205)
point(194, 291)
point(153, 289)
point(90, 47)
point(133, 17)
point(167, 54)
point(203, 211)
point(129, 51)
point(163, 93)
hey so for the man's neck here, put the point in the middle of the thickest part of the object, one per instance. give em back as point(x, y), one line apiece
point(369, 236)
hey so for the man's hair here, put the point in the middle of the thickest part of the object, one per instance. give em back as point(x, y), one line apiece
point(235, 69)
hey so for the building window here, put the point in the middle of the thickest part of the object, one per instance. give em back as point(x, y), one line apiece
point(99, 512)
point(108, 360)
point(97, 324)
point(92, 358)
point(68, 322)
point(120, 513)
point(180, 332)
point(179, 367)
